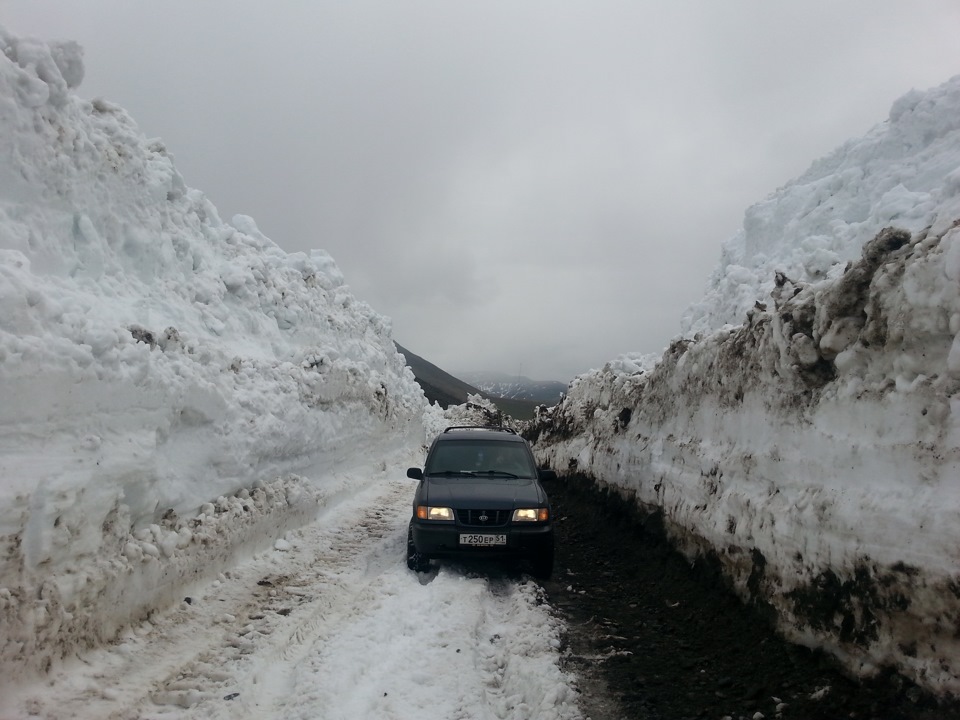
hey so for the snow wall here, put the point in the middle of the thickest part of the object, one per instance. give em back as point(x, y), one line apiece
point(814, 450)
point(175, 390)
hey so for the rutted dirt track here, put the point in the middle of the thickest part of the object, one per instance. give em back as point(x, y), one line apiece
point(654, 638)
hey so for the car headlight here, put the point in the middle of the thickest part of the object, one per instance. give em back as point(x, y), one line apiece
point(425, 512)
point(531, 515)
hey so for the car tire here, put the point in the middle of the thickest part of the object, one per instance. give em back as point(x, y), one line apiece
point(415, 560)
point(542, 564)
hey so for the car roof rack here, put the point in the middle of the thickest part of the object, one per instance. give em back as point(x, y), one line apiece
point(481, 427)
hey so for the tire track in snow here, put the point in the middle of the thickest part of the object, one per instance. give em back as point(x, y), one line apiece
point(193, 654)
point(340, 582)
point(334, 626)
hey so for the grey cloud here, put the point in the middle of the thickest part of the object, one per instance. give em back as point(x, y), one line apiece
point(543, 184)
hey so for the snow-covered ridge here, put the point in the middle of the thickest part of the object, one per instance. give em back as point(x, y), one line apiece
point(815, 449)
point(173, 388)
point(905, 172)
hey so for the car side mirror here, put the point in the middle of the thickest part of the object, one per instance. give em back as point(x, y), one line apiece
point(545, 474)
point(415, 473)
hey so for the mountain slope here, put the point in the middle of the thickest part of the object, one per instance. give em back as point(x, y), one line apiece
point(438, 385)
point(442, 387)
point(517, 387)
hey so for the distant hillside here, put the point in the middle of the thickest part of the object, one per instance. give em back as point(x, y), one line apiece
point(438, 385)
point(514, 387)
point(442, 387)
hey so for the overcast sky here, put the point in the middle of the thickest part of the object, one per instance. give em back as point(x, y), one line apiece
point(528, 187)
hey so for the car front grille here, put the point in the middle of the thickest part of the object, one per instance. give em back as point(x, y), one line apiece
point(483, 518)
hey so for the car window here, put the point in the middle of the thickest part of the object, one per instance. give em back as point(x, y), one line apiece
point(474, 456)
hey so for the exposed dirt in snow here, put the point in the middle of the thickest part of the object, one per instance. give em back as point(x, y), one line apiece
point(666, 640)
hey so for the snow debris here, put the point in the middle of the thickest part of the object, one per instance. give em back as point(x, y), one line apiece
point(820, 693)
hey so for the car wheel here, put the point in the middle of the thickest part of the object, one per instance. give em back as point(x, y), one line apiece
point(542, 564)
point(415, 560)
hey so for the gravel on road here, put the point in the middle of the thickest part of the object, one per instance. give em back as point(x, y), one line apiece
point(653, 636)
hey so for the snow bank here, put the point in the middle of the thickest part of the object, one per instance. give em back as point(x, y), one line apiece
point(814, 450)
point(174, 390)
point(905, 172)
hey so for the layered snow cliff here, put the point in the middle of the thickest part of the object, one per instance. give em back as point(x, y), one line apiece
point(813, 448)
point(174, 389)
point(904, 173)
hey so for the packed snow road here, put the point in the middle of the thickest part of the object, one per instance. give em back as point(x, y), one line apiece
point(329, 623)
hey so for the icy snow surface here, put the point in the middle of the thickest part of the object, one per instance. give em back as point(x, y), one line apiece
point(814, 449)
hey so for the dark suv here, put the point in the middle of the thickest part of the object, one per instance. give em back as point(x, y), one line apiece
point(480, 496)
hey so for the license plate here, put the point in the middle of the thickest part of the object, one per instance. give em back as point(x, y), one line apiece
point(483, 539)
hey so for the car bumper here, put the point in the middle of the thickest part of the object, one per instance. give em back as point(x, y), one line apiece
point(436, 540)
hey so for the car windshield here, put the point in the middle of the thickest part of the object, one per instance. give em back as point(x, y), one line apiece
point(469, 457)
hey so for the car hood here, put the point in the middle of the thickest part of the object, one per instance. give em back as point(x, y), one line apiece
point(483, 493)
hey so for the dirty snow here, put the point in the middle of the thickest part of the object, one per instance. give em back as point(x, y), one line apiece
point(187, 411)
point(809, 434)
